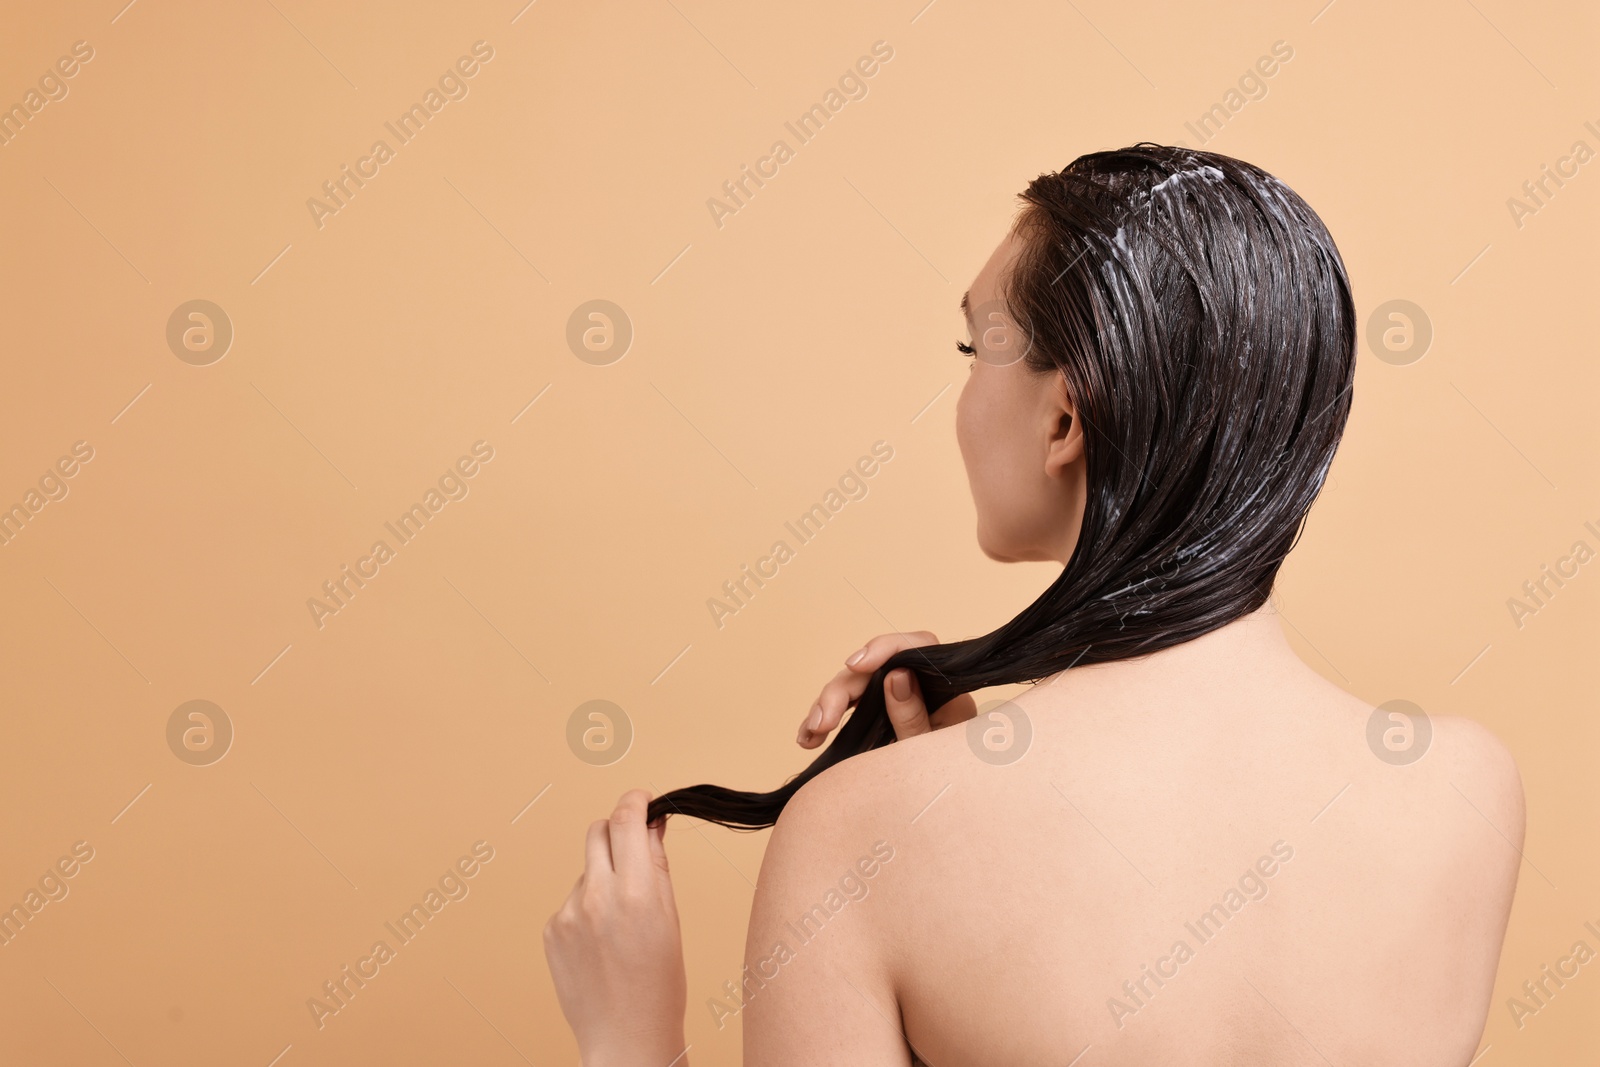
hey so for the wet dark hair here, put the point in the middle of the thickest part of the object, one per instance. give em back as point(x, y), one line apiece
point(1201, 317)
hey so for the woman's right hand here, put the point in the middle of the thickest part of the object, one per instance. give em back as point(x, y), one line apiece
point(901, 693)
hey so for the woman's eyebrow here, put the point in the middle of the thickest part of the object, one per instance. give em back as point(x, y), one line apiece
point(965, 309)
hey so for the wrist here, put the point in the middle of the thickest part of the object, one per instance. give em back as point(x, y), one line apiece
point(666, 1049)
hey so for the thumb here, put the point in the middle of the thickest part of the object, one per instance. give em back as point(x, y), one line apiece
point(658, 845)
point(903, 698)
point(657, 835)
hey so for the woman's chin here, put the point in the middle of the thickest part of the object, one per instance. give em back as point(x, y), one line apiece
point(1000, 551)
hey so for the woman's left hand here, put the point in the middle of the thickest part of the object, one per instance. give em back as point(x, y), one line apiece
point(614, 948)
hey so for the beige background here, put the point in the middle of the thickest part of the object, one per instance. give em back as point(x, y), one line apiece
point(768, 355)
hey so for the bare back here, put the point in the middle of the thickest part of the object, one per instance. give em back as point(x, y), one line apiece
point(1198, 858)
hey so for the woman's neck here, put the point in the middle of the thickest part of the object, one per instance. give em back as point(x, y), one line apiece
point(1248, 651)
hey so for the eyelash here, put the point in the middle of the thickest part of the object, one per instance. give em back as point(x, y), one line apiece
point(966, 349)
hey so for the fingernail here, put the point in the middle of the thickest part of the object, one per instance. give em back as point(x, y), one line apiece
point(856, 658)
point(814, 720)
point(900, 684)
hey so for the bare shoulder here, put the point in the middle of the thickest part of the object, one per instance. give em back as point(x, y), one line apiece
point(843, 829)
point(1482, 769)
point(816, 926)
point(1453, 813)
point(856, 801)
point(824, 866)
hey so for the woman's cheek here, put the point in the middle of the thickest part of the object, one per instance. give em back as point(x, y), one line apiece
point(963, 419)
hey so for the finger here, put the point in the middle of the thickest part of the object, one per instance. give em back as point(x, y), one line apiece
point(630, 849)
point(876, 652)
point(658, 846)
point(837, 697)
point(597, 853)
point(569, 906)
point(573, 894)
point(957, 710)
point(842, 692)
point(903, 697)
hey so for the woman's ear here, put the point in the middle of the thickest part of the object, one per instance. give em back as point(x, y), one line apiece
point(1064, 445)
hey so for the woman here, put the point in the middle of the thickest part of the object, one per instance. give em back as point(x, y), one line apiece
point(1182, 845)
